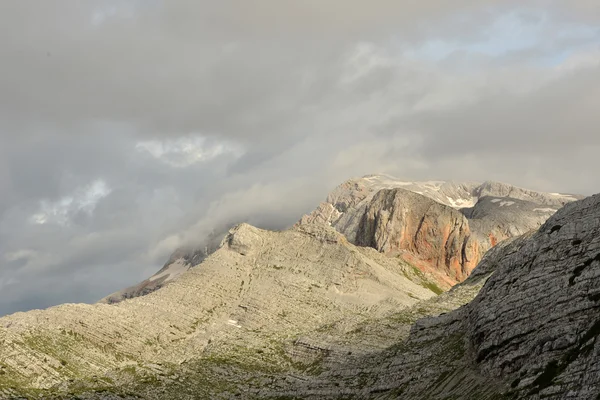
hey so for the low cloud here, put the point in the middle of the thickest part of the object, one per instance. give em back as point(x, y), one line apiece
point(130, 128)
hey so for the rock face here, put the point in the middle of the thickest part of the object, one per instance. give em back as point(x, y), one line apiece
point(494, 219)
point(535, 324)
point(399, 220)
point(422, 219)
point(179, 262)
point(497, 189)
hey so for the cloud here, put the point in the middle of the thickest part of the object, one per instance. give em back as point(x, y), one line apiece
point(185, 151)
point(84, 200)
point(128, 128)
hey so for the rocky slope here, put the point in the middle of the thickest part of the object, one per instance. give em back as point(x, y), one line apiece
point(532, 332)
point(443, 227)
point(524, 325)
point(179, 262)
point(254, 294)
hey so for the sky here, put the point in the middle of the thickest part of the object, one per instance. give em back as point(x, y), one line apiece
point(130, 128)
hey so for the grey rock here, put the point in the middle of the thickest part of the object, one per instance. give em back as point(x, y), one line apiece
point(497, 189)
point(494, 212)
point(532, 331)
point(259, 290)
point(491, 223)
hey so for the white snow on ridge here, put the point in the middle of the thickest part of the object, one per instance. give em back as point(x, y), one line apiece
point(552, 210)
point(433, 189)
point(462, 203)
point(566, 196)
point(503, 202)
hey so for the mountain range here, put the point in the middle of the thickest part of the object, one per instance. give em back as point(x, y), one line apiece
point(388, 289)
point(443, 228)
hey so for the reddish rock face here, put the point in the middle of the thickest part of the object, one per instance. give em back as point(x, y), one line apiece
point(442, 228)
point(398, 220)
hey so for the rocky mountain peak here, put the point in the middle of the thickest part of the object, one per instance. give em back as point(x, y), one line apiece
point(442, 227)
point(491, 217)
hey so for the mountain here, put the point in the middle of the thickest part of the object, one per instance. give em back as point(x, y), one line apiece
point(531, 332)
point(305, 313)
point(494, 212)
point(444, 228)
point(248, 299)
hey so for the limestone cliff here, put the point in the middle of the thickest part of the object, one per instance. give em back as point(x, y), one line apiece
point(398, 220)
point(422, 219)
point(492, 217)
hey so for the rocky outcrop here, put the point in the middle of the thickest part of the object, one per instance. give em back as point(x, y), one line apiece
point(496, 211)
point(397, 220)
point(446, 245)
point(532, 331)
point(495, 219)
point(498, 189)
point(535, 324)
point(345, 205)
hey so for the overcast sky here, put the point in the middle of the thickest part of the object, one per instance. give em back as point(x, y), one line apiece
point(131, 127)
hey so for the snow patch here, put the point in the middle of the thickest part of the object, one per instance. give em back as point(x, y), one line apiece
point(503, 202)
point(564, 196)
point(462, 203)
point(433, 185)
point(549, 210)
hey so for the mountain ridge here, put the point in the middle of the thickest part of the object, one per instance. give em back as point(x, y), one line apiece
point(343, 206)
point(491, 218)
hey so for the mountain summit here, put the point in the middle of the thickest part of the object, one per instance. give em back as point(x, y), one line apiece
point(442, 227)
